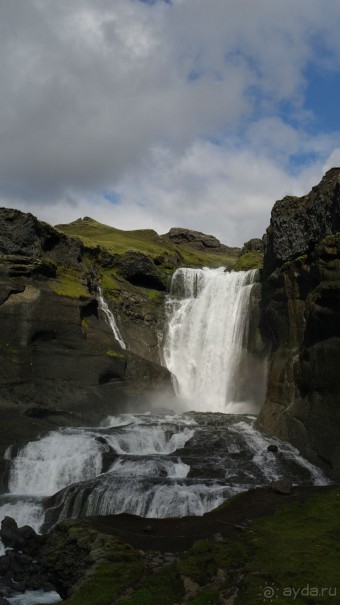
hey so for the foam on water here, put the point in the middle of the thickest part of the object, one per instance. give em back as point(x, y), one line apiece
point(146, 440)
point(207, 336)
point(268, 462)
point(138, 497)
point(25, 511)
point(35, 597)
point(150, 468)
point(43, 467)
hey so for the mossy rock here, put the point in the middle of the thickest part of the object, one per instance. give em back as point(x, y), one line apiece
point(69, 284)
point(164, 586)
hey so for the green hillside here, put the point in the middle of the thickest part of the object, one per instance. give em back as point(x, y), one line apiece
point(148, 242)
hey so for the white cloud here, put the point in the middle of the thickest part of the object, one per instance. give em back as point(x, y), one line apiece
point(100, 95)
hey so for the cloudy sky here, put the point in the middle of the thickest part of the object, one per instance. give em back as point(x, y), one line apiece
point(154, 113)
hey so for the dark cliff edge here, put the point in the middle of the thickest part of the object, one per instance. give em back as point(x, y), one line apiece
point(301, 320)
point(60, 364)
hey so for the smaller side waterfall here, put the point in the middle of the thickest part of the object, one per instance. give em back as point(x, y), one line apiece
point(103, 306)
point(208, 313)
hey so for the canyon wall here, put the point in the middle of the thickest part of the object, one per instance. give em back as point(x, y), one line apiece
point(301, 321)
point(60, 364)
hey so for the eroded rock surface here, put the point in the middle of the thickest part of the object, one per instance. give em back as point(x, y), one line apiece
point(59, 361)
point(301, 319)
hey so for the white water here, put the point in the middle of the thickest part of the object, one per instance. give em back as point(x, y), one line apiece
point(146, 440)
point(150, 468)
point(103, 306)
point(44, 467)
point(268, 462)
point(133, 495)
point(207, 336)
point(218, 456)
point(35, 597)
point(2, 549)
point(27, 511)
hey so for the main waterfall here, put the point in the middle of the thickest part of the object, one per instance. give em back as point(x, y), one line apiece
point(206, 343)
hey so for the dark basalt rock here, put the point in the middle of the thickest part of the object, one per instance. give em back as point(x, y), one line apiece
point(282, 486)
point(59, 361)
point(301, 320)
point(140, 270)
point(298, 224)
point(253, 245)
point(23, 538)
point(20, 568)
point(196, 239)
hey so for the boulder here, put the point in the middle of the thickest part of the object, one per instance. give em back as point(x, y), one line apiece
point(196, 239)
point(282, 486)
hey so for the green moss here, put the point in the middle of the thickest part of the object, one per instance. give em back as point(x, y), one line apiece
point(109, 283)
point(116, 566)
point(68, 284)
point(106, 582)
point(115, 354)
point(205, 557)
point(297, 547)
point(153, 295)
point(249, 260)
point(164, 586)
point(208, 596)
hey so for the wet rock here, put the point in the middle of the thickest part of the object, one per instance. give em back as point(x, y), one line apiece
point(272, 448)
point(301, 323)
point(282, 486)
point(140, 270)
point(24, 538)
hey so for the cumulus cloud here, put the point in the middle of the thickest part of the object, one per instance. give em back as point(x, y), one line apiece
point(158, 114)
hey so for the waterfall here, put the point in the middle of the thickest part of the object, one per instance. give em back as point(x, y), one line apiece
point(103, 306)
point(206, 342)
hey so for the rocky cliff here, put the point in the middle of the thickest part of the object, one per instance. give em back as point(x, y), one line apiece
point(301, 320)
point(59, 362)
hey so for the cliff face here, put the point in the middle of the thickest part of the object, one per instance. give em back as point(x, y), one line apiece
point(59, 362)
point(301, 320)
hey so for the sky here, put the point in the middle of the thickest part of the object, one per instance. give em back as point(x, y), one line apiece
point(158, 114)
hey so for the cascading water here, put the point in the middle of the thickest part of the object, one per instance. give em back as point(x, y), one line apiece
point(206, 342)
point(164, 465)
point(103, 306)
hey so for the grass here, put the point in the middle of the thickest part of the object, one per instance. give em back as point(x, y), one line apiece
point(291, 555)
point(68, 284)
point(116, 567)
point(164, 586)
point(296, 547)
point(106, 582)
point(249, 260)
point(147, 241)
point(207, 596)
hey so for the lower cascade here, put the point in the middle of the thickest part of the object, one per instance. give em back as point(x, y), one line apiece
point(171, 464)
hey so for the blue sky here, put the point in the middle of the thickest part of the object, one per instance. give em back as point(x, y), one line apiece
point(194, 113)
